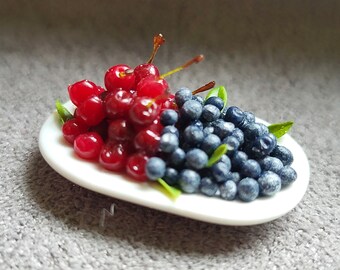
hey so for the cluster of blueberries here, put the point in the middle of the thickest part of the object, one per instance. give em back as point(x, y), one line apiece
point(254, 165)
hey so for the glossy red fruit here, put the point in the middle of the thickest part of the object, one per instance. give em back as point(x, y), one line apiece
point(72, 128)
point(145, 70)
point(167, 102)
point(147, 140)
point(82, 90)
point(120, 130)
point(152, 86)
point(113, 156)
point(92, 111)
point(143, 111)
point(117, 77)
point(118, 103)
point(88, 145)
point(135, 166)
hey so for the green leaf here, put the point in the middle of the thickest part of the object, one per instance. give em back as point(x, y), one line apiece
point(220, 92)
point(170, 191)
point(63, 113)
point(216, 156)
point(280, 129)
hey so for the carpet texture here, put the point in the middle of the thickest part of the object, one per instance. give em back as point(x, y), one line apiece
point(279, 59)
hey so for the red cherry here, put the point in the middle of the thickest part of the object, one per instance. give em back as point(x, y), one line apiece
point(167, 102)
point(143, 111)
point(151, 86)
point(82, 90)
point(118, 103)
point(72, 128)
point(145, 70)
point(113, 156)
point(120, 130)
point(91, 111)
point(88, 145)
point(135, 166)
point(118, 77)
point(147, 140)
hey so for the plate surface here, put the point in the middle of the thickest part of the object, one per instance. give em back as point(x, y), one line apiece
point(60, 156)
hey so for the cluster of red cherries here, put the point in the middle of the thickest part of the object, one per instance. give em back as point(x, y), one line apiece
point(120, 126)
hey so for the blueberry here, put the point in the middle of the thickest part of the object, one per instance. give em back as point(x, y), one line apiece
point(208, 186)
point(191, 110)
point(288, 175)
point(237, 159)
point(182, 95)
point(169, 117)
point(216, 101)
point(220, 171)
point(271, 164)
point(253, 131)
point(155, 168)
point(189, 181)
point(236, 177)
point(263, 145)
point(225, 159)
point(228, 190)
point(207, 131)
point(177, 157)
point(269, 183)
point(197, 123)
point(193, 135)
point(232, 143)
point(249, 117)
point(250, 168)
point(238, 134)
point(170, 129)
point(283, 154)
point(170, 176)
point(196, 159)
point(168, 142)
point(198, 98)
point(222, 128)
point(210, 143)
point(210, 113)
point(234, 115)
point(248, 189)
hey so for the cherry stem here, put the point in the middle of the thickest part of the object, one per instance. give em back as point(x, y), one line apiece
point(195, 60)
point(158, 40)
point(204, 88)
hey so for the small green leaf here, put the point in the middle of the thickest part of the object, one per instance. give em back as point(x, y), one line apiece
point(280, 129)
point(213, 92)
point(222, 94)
point(216, 156)
point(63, 113)
point(170, 191)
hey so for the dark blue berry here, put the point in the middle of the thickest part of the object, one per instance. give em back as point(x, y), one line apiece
point(170, 129)
point(253, 131)
point(198, 98)
point(225, 159)
point(177, 157)
point(237, 159)
point(288, 175)
point(250, 168)
point(189, 181)
point(271, 164)
point(196, 159)
point(210, 113)
point(210, 143)
point(248, 189)
point(208, 186)
point(169, 117)
point(269, 183)
point(197, 123)
point(232, 143)
point(236, 177)
point(182, 95)
point(234, 115)
point(208, 130)
point(168, 142)
point(191, 110)
point(193, 135)
point(238, 134)
point(220, 171)
point(249, 116)
point(171, 176)
point(222, 128)
point(228, 190)
point(216, 101)
point(263, 145)
point(283, 154)
point(155, 168)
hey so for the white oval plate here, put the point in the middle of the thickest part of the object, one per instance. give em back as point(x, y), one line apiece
point(60, 156)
